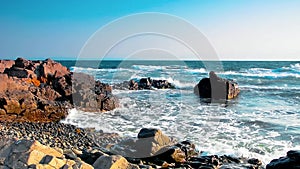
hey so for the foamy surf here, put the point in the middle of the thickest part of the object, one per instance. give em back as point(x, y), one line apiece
point(263, 122)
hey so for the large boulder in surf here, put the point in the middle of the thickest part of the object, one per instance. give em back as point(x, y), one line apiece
point(290, 161)
point(216, 88)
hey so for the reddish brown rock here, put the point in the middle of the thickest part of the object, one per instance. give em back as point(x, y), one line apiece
point(3, 82)
point(44, 91)
point(53, 69)
point(5, 64)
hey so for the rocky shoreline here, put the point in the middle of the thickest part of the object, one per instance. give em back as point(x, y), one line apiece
point(94, 149)
point(58, 145)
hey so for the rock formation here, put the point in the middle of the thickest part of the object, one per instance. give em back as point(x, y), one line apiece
point(45, 90)
point(290, 161)
point(216, 88)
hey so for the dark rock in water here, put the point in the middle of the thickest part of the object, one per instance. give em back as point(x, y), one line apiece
point(144, 84)
point(216, 88)
point(148, 83)
point(291, 161)
point(43, 91)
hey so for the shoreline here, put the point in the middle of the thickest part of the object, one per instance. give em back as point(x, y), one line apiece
point(88, 143)
point(36, 95)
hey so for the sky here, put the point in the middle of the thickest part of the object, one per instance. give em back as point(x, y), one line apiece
point(237, 29)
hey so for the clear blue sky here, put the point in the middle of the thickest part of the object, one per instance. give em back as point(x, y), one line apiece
point(238, 29)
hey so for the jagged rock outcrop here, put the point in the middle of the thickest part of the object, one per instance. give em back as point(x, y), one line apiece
point(216, 88)
point(45, 90)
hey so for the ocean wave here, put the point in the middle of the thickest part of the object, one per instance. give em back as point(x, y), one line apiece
point(91, 70)
point(245, 87)
point(147, 67)
point(261, 72)
point(180, 84)
point(159, 68)
point(196, 71)
point(296, 66)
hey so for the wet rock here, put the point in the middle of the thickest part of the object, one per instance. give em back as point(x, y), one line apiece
point(216, 88)
point(291, 161)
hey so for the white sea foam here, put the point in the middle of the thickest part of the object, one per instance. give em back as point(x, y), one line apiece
point(296, 66)
point(261, 73)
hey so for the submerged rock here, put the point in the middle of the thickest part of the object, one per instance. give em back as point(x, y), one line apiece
point(216, 88)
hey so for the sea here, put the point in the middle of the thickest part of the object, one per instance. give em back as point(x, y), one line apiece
point(262, 122)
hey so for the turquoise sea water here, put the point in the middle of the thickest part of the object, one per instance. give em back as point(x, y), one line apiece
point(263, 122)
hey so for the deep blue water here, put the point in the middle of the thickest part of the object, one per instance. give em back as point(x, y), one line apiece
point(263, 122)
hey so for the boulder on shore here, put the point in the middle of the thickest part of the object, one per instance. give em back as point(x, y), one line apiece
point(43, 91)
point(216, 88)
